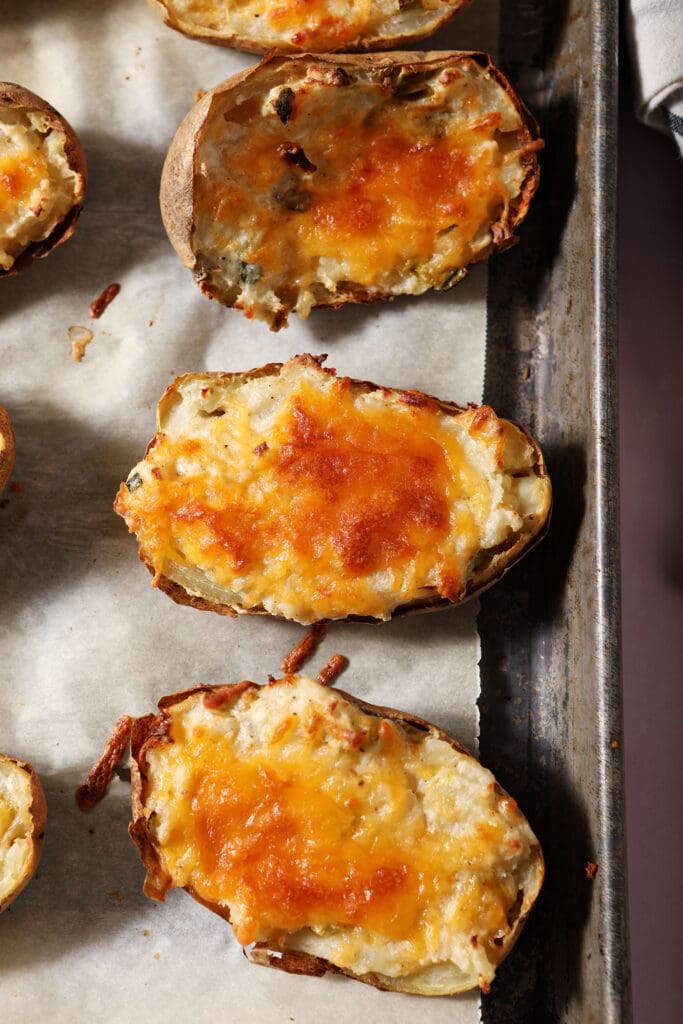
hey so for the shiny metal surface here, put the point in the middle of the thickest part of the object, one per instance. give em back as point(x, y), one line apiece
point(551, 720)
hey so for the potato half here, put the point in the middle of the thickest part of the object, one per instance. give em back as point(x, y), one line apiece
point(7, 447)
point(319, 26)
point(318, 181)
point(333, 835)
point(42, 178)
point(290, 491)
point(22, 826)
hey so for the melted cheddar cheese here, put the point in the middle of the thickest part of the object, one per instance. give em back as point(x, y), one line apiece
point(20, 175)
point(308, 497)
point(337, 183)
point(37, 186)
point(316, 25)
point(327, 829)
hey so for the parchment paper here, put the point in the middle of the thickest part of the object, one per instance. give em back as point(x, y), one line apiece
point(83, 637)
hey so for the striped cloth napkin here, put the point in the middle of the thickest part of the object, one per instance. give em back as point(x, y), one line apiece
point(655, 30)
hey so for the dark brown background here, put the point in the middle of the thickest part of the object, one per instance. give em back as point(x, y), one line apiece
point(650, 254)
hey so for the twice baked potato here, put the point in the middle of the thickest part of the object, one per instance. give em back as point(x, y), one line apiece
point(319, 26)
point(7, 447)
point(42, 178)
point(318, 181)
point(290, 491)
point(22, 826)
point(332, 834)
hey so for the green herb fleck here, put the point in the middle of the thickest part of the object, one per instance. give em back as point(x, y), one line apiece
point(454, 278)
point(250, 273)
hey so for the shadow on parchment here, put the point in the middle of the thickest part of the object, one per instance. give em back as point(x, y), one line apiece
point(87, 886)
point(58, 525)
point(119, 229)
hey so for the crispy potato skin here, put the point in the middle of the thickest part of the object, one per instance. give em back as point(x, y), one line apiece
point(361, 45)
point(7, 451)
point(177, 178)
point(490, 574)
point(153, 729)
point(16, 97)
point(38, 813)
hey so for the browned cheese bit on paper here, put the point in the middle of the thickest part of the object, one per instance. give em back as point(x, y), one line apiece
point(100, 775)
point(98, 305)
point(300, 654)
point(331, 669)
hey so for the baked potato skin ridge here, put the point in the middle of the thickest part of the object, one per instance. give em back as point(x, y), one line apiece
point(16, 98)
point(153, 731)
point(7, 447)
point(37, 810)
point(180, 177)
point(257, 42)
point(493, 565)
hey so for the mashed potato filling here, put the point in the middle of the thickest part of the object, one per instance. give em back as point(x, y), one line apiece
point(323, 828)
point(16, 826)
point(377, 182)
point(319, 25)
point(37, 186)
point(303, 495)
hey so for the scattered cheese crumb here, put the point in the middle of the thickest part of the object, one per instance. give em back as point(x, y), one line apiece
point(80, 337)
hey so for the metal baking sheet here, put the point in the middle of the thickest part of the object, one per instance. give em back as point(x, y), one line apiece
point(550, 702)
point(551, 725)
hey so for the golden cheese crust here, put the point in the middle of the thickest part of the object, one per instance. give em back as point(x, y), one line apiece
point(315, 181)
point(43, 178)
point(332, 834)
point(23, 814)
point(7, 447)
point(292, 492)
point(317, 26)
